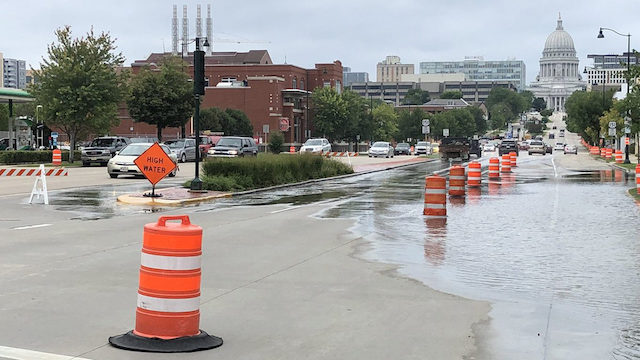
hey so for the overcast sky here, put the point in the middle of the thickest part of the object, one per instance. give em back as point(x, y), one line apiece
point(360, 33)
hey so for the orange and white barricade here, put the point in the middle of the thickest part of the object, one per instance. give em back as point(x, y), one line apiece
point(474, 176)
point(594, 150)
point(168, 311)
point(603, 152)
point(56, 157)
point(513, 158)
point(608, 153)
point(506, 164)
point(435, 197)
point(40, 185)
point(339, 154)
point(619, 156)
point(457, 181)
point(494, 168)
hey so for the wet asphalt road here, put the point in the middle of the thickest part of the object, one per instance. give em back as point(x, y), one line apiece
point(554, 250)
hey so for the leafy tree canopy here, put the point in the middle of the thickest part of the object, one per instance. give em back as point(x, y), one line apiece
point(385, 122)
point(584, 110)
point(539, 104)
point(410, 124)
point(451, 94)
point(78, 85)
point(416, 97)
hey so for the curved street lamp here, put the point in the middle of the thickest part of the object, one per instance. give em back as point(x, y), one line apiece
point(627, 122)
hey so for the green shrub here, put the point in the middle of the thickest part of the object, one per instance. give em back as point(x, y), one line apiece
point(275, 142)
point(268, 170)
point(21, 156)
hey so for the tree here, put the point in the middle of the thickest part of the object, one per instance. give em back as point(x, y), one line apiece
point(410, 124)
point(357, 122)
point(212, 119)
point(239, 123)
point(416, 97)
point(516, 103)
point(385, 122)
point(162, 96)
point(539, 104)
point(528, 98)
point(479, 119)
point(4, 117)
point(275, 142)
point(500, 114)
point(329, 113)
point(78, 85)
point(451, 94)
point(584, 110)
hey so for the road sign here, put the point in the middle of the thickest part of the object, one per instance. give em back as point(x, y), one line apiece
point(612, 131)
point(54, 134)
point(627, 120)
point(154, 164)
point(426, 129)
point(612, 124)
point(627, 130)
point(425, 122)
point(445, 132)
point(265, 128)
point(284, 124)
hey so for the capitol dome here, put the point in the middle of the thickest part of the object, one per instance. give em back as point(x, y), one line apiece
point(559, 43)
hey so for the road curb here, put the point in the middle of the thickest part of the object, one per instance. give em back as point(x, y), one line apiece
point(137, 200)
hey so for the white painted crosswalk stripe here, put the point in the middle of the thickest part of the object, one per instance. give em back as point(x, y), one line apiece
point(24, 354)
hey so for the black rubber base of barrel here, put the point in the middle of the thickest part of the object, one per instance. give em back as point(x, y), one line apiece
point(131, 341)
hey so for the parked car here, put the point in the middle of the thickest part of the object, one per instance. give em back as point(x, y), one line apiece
point(559, 146)
point(123, 162)
point(435, 148)
point(489, 147)
point(102, 149)
point(4, 143)
point(234, 146)
point(143, 140)
point(185, 149)
point(403, 148)
point(381, 148)
point(570, 149)
point(422, 147)
point(207, 142)
point(320, 145)
point(537, 147)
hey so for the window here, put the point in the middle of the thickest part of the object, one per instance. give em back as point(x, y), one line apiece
point(302, 84)
point(338, 86)
point(326, 84)
point(295, 83)
point(228, 79)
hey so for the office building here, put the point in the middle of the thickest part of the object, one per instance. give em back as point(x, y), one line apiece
point(477, 69)
point(349, 77)
point(609, 69)
point(14, 73)
point(390, 69)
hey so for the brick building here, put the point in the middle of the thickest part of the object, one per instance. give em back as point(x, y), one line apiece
point(274, 96)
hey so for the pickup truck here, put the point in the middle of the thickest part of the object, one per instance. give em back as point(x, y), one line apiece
point(507, 146)
point(102, 149)
point(455, 148)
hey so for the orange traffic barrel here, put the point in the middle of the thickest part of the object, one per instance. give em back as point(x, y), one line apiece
point(494, 168)
point(168, 314)
point(435, 196)
point(608, 154)
point(292, 149)
point(513, 156)
point(506, 164)
point(638, 178)
point(619, 156)
point(474, 176)
point(603, 152)
point(594, 150)
point(457, 181)
point(57, 157)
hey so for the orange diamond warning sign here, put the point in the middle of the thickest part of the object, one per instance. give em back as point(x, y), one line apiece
point(154, 163)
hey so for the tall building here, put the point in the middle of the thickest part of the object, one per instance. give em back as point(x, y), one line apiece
point(390, 69)
point(14, 73)
point(609, 69)
point(477, 69)
point(559, 75)
point(349, 77)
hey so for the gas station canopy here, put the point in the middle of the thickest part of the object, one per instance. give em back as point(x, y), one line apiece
point(8, 95)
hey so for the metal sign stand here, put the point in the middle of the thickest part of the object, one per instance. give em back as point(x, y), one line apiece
point(152, 194)
point(42, 190)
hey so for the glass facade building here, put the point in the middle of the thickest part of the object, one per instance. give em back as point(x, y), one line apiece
point(477, 69)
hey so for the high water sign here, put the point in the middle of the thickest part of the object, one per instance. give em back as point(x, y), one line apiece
point(154, 164)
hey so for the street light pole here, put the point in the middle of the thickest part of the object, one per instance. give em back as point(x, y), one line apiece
point(39, 129)
point(198, 90)
point(627, 123)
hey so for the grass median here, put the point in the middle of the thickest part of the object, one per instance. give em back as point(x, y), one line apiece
point(239, 174)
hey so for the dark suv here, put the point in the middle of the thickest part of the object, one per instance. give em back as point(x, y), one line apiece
point(507, 146)
point(234, 146)
point(102, 149)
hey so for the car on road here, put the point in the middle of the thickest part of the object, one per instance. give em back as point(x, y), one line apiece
point(508, 145)
point(102, 149)
point(403, 148)
point(552, 135)
point(489, 147)
point(548, 148)
point(561, 133)
point(570, 149)
point(234, 146)
point(123, 162)
point(316, 146)
point(559, 146)
point(537, 147)
point(523, 145)
point(143, 140)
point(422, 147)
point(554, 127)
point(381, 148)
point(207, 142)
point(185, 149)
point(435, 148)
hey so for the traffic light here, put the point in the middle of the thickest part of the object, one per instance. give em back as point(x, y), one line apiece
point(198, 72)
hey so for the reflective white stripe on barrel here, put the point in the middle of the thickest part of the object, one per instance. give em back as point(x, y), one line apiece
point(171, 262)
point(168, 305)
point(456, 187)
point(455, 177)
point(435, 191)
point(435, 206)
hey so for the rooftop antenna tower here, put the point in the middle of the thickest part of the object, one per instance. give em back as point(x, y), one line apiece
point(209, 51)
point(174, 31)
point(198, 22)
point(185, 31)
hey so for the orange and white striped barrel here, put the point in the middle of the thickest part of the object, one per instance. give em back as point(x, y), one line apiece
point(457, 181)
point(638, 178)
point(506, 164)
point(474, 176)
point(435, 196)
point(513, 156)
point(619, 156)
point(169, 289)
point(494, 168)
point(608, 154)
point(56, 157)
point(594, 150)
point(603, 152)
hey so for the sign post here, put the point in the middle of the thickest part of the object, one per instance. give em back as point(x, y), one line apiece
point(445, 132)
point(154, 164)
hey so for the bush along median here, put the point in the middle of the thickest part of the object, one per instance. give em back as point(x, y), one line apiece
point(29, 156)
point(239, 174)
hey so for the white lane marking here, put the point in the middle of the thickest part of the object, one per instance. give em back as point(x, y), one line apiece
point(286, 209)
point(555, 170)
point(30, 227)
point(24, 354)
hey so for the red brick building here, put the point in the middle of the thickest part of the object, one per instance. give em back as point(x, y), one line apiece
point(274, 96)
